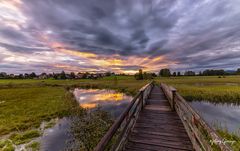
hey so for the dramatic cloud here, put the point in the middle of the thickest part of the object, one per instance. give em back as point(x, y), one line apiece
point(118, 35)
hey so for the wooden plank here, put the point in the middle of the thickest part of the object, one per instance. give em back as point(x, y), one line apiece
point(158, 128)
point(184, 140)
point(162, 144)
point(142, 147)
point(164, 134)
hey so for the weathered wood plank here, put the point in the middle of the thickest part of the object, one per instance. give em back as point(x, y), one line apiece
point(164, 134)
point(158, 127)
point(161, 144)
point(183, 140)
point(140, 146)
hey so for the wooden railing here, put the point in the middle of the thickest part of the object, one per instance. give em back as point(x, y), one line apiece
point(122, 126)
point(202, 136)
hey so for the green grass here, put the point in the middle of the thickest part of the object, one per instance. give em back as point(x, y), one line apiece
point(213, 89)
point(194, 80)
point(24, 104)
point(22, 138)
point(231, 139)
point(6, 145)
point(34, 146)
point(88, 128)
point(26, 108)
point(50, 124)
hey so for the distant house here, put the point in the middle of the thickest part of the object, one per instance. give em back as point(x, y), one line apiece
point(11, 76)
point(43, 76)
point(3, 75)
point(79, 76)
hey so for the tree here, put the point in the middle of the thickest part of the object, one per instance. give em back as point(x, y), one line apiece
point(165, 72)
point(72, 75)
point(238, 71)
point(189, 73)
point(213, 72)
point(154, 74)
point(26, 75)
point(20, 76)
point(3, 75)
point(108, 73)
point(179, 74)
point(174, 74)
point(33, 75)
point(140, 74)
point(62, 75)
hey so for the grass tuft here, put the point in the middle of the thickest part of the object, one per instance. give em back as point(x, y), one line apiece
point(34, 146)
point(22, 138)
point(6, 145)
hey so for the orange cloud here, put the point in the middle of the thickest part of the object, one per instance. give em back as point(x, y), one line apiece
point(77, 53)
point(105, 62)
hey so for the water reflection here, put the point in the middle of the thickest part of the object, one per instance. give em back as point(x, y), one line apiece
point(109, 100)
point(55, 138)
point(226, 114)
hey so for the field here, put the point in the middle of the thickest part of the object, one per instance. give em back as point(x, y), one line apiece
point(23, 108)
point(214, 89)
point(24, 104)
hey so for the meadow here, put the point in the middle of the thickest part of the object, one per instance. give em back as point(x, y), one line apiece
point(24, 104)
point(208, 88)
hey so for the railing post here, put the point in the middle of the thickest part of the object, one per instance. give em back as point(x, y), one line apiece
point(142, 98)
point(174, 91)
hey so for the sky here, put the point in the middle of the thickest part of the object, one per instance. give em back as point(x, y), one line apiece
point(118, 35)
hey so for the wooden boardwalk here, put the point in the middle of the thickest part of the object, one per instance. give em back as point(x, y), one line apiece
point(158, 127)
point(159, 119)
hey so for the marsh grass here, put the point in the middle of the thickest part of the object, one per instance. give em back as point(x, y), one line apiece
point(34, 146)
point(50, 124)
point(26, 108)
point(212, 88)
point(231, 139)
point(26, 103)
point(216, 94)
point(6, 145)
point(88, 128)
point(22, 138)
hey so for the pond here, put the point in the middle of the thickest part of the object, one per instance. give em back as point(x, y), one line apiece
point(228, 115)
point(55, 138)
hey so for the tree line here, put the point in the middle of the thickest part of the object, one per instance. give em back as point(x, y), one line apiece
point(61, 75)
point(208, 72)
point(139, 76)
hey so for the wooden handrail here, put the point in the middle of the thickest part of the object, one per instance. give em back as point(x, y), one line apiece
point(200, 133)
point(138, 99)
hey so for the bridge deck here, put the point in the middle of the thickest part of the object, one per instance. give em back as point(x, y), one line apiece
point(158, 128)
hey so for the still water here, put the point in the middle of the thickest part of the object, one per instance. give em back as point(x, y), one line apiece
point(228, 115)
point(55, 138)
